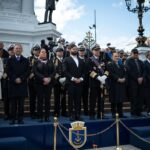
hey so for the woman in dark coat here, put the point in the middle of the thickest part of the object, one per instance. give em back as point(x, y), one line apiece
point(44, 74)
point(117, 78)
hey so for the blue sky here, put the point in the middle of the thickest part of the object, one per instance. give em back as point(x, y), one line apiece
point(114, 23)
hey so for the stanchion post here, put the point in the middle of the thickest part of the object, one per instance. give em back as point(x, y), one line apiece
point(102, 98)
point(117, 133)
point(55, 132)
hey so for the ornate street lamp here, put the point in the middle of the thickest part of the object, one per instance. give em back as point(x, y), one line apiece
point(140, 9)
point(89, 39)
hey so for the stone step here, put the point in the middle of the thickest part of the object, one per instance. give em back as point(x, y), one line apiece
point(107, 105)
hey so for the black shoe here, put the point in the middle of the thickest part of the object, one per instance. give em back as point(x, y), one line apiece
point(121, 115)
point(6, 118)
point(113, 115)
point(78, 118)
point(92, 117)
point(12, 122)
point(47, 119)
point(134, 116)
point(148, 114)
point(86, 113)
point(142, 115)
point(72, 118)
point(56, 115)
point(64, 114)
point(20, 122)
point(41, 120)
point(33, 116)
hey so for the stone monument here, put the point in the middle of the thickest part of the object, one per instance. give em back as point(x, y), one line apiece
point(18, 24)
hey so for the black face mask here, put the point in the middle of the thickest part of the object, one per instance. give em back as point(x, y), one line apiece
point(74, 53)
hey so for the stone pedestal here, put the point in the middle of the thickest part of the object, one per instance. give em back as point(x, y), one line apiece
point(18, 24)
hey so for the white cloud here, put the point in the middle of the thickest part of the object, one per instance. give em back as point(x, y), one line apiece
point(118, 5)
point(66, 11)
point(121, 42)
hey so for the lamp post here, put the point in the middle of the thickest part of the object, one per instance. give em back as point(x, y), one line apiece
point(94, 26)
point(140, 9)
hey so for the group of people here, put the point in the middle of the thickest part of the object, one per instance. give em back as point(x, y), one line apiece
point(76, 75)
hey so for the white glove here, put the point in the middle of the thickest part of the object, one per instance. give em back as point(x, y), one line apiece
point(62, 80)
point(102, 79)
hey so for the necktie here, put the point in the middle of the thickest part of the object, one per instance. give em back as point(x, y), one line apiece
point(18, 58)
point(137, 65)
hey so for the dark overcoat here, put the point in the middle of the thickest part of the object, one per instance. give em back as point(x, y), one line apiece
point(17, 69)
point(146, 74)
point(117, 90)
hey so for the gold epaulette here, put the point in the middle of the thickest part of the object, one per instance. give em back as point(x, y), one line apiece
point(32, 62)
point(106, 73)
point(93, 74)
point(56, 62)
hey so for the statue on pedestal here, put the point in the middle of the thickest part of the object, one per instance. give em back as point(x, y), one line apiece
point(50, 7)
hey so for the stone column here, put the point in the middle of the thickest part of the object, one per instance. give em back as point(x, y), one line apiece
point(28, 7)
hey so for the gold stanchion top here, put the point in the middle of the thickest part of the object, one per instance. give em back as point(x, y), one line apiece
point(117, 116)
point(119, 148)
point(55, 119)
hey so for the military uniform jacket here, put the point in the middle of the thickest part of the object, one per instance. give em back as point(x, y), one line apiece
point(32, 61)
point(116, 90)
point(18, 69)
point(58, 70)
point(95, 70)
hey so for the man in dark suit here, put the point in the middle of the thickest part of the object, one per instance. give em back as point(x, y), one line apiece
point(85, 91)
point(147, 81)
point(74, 71)
point(135, 74)
point(18, 71)
point(117, 79)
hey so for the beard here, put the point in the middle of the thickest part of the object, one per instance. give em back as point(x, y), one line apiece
point(74, 53)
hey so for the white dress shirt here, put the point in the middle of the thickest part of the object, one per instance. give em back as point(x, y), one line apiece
point(75, 59)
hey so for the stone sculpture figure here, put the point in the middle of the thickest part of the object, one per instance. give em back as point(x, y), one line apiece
point(50, 7)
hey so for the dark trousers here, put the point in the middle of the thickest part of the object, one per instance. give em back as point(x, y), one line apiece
point(74, 99)
point(147, 97)
point(59, 100)
point(43, 96)
point(85, 98)
point(32, 97)
point(136, 93)
point(95, 97)
point(4, 84)
point(17, 108)
point(116, 108)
